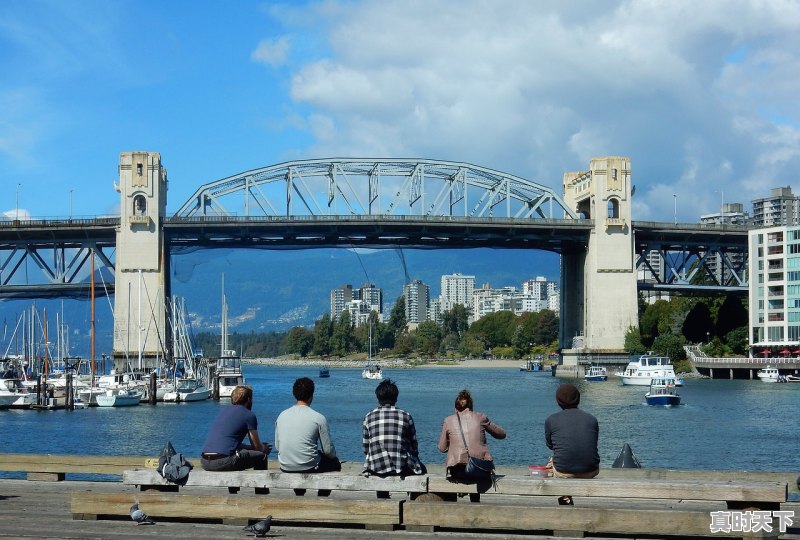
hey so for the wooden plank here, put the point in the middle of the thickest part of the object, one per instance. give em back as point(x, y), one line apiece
point(211, 507)
point(774, 492)
point(275, 479)
point(64, 463)
point(45, 477)
point(573, 519)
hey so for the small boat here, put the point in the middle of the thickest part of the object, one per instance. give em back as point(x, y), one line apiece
point(324, 372)
point(229, 373)
point(595, 374)
point(119, 397)
point(649, 366)
point(663, 391)
point(189, 390)
point(768, 374)
point(372, 371)
point(531, 365)
point(791, 378)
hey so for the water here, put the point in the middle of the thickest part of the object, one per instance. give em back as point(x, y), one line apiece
point(725, 425)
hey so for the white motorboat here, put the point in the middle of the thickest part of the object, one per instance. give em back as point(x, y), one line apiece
point(119, 397)
point(768, 374)
point(14, 394)
point(640, 372)
point(372, 371)
point(229, 364)
point(189, 390)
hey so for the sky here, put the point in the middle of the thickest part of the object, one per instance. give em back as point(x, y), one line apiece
point(702, 96)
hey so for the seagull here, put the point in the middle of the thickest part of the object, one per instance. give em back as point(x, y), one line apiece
point(260, 528)
point(140, 517)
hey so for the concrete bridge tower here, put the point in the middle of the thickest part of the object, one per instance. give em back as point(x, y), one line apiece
point(599, 301)
point(141, 274)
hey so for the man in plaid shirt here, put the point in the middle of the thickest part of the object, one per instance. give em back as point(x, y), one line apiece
point(389, 437)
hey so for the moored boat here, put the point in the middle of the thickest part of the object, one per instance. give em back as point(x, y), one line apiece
point(768, 374)
point(120, 397)
point(324, 372)
point(663, 391)
point(189, 390)
point(595, 374)
point(13, 394)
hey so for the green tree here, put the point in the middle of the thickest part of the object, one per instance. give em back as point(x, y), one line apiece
point(654, 321)
point(299, 340)
point(546, 328)
point(495, 328)
point(323, 330)
point(738, 340)
point(633, 341)
point(429, 336)
point(396, 324)
point(450, 342)
point(472, 346)
point(731, 315)
point(342, 334)
point(455, 320)
point(697, 325)
point(669, 345)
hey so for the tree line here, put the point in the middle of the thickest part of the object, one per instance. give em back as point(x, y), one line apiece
point(501, 334)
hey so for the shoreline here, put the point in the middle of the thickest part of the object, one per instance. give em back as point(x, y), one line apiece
point(393, 363)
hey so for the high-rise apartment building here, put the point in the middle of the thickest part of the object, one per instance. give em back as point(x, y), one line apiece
point(417, 296)
point(359, 302)
point(780, 208)
point(340, 299)
point(457, 289)
point(774, 287)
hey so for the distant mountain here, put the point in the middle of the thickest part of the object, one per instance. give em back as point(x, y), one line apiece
point(278, 289)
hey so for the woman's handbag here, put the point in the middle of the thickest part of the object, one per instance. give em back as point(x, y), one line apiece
point(477, 468)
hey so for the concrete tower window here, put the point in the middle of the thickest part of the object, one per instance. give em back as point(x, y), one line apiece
point(613, 208)
point(139, 169)
point(139, 206)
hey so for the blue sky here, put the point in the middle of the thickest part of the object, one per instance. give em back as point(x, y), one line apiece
point(702, 96)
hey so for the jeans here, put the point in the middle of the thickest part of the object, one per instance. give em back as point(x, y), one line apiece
point(241, 460)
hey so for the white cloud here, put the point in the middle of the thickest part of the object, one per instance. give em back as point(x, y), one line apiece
point(272, 52)
point(702, 97)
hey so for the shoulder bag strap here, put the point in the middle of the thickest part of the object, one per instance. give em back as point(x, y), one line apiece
point(461, 431)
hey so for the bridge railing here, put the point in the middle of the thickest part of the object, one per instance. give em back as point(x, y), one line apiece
point(584, 223)
point(739, 360)
point(81, 221)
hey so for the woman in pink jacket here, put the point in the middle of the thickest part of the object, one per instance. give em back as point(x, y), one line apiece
point(474, 425)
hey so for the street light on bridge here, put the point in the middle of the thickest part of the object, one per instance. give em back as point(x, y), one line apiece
point(675, 211)
point(17, 209)
point(70, 204)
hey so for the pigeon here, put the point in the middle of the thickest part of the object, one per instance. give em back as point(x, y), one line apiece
point(261, 528)
point(140, 517)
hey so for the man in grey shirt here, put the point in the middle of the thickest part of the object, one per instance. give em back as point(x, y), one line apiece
point(302, 437)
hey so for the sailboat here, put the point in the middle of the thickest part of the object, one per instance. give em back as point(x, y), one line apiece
point(372, 370)
point(229, 364)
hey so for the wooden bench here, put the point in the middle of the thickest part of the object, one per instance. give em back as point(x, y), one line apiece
point(262, 481)
point(54, 467)
point(608, 506)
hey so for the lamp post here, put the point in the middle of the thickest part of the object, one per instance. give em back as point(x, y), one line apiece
point(17, 209)
point(70, 205)
point(675, 210)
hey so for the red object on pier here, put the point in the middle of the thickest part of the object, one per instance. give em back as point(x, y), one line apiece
point(765, 352)
point(786, 351)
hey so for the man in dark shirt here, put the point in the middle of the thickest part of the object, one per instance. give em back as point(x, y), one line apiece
point(223, 449)
point(572, 436)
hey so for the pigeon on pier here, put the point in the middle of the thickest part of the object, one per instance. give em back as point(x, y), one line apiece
point(140, 517)
point(260, 528)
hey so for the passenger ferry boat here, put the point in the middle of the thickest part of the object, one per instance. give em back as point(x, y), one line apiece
point(663, 391)
point(640, 372)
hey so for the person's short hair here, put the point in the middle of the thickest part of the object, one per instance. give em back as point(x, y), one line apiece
point(387, 392)
point(241, 394)
point(464, 400)
point(303, 389)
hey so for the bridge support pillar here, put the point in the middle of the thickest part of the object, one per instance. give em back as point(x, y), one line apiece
point(599, 302)
point(141, 267)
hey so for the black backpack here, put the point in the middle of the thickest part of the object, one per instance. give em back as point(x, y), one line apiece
point(173, 466)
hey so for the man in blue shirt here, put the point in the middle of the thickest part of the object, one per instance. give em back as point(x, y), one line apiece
point(223, 449)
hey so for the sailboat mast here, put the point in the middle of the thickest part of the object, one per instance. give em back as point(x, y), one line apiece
point(139, 310)
point(93, 329)
point(224, 322)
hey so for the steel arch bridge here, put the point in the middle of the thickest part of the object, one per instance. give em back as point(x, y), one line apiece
point(411, 187)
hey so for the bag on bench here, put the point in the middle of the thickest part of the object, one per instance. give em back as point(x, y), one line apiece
point(173, 466)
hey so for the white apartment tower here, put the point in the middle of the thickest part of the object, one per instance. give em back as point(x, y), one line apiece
point(774, 287)
point(457, 289)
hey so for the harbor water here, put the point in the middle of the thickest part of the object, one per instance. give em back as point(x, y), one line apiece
point(724, 425)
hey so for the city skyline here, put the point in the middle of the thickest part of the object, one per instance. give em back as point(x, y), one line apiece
point(701, 106)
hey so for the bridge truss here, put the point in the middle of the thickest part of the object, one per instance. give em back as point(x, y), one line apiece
point(331, 187)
